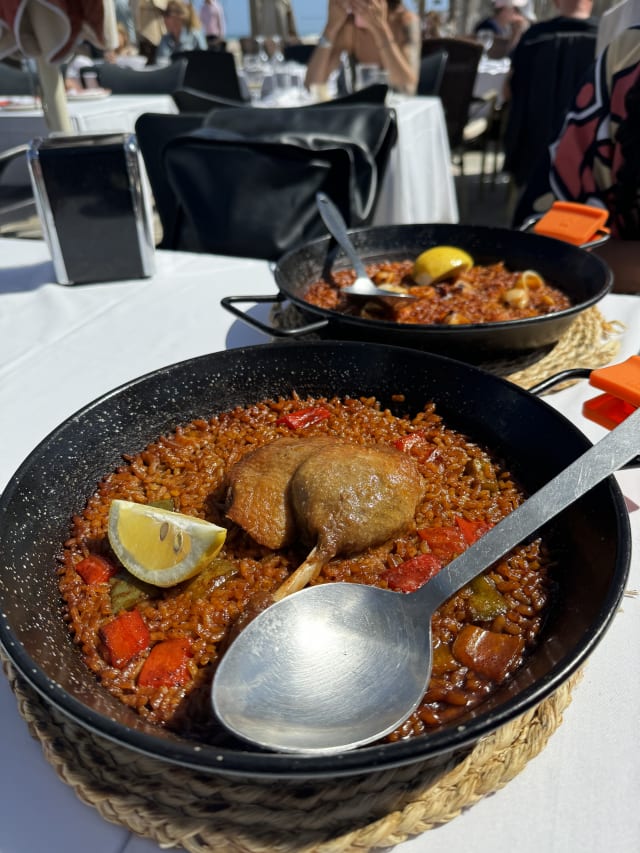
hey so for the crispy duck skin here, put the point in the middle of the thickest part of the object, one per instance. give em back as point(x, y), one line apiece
point(258, 489)
point(337, 497)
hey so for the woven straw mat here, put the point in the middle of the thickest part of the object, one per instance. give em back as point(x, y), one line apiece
point(201, 813)
point(590, 342)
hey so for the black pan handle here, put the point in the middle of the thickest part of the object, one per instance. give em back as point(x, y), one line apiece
point(558, 378)
point(563, 376)
point(229, 303)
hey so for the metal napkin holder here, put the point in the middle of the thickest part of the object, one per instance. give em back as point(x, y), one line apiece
point(94, 206)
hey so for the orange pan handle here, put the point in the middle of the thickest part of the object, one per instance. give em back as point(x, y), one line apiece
point(579, 224)
point(621, 384)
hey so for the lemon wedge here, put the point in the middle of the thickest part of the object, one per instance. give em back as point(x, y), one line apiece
point(160, 546)
point(439, 263)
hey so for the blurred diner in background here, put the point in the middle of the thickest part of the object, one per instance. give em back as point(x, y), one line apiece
point(383, 33)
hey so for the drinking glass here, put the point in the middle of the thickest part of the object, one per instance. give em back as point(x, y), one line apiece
point(254, 74)
point(485, 37)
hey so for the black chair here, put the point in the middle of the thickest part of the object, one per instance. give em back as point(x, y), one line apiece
point(468, 119)
point(376, 93)
point(129, 81)
point(194, 101)
point(153, 132)
point(367, 130)
point(300, 53)
point(16, 195)
point(432, 69)
point(15, 81)
point(249, 197)
point(544, 82)
point(211, 71)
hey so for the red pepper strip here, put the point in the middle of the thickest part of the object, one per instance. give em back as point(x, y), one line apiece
point(445, 542)
point(472, 530)
point(412, 574)
point(409, 441)
point(167, 665)
point(95, 569)
point(487, 653)
point(123, 638)
point(304, 417)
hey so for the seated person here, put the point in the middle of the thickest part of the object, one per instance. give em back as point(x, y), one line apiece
point(377, 32)
point(183, 31)
point(547, 66)
point(124, 49)
point(506, 21)
point(82, 58)
point(594, 160)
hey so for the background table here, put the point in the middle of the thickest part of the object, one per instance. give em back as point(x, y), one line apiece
point(60, 347)
point(491, 77)
point(115, 113)
point(418, 185)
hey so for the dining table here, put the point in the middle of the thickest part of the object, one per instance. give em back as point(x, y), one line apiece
point(491, 76)
point(63, 346)
point(90, 111)
point(418, 184)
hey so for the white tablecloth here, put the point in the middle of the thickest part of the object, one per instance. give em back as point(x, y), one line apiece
point(418, 185)
point(115, 113)
point(60, 347)
point(491, 77)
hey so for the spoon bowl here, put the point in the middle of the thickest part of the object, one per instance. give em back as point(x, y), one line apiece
point(362, 286)
point(340, 665)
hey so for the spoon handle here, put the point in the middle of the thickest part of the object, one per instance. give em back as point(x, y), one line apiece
point(595, 465)
point(336, 225)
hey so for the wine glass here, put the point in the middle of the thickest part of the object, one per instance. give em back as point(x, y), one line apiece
point(277, 56)
point(485, 37)
point(262, 51)
point(254, 70)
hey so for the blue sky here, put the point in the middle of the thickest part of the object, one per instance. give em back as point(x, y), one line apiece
point(310, 15)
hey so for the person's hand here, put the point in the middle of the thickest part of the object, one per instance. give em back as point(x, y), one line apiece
point(518, 23)
point(337, 15)
point(372, 13)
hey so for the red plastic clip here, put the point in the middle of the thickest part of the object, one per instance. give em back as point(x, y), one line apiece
point(621, 384)
point(572, 222)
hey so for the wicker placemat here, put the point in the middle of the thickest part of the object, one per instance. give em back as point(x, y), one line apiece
point(177, 807)
point(591, 341)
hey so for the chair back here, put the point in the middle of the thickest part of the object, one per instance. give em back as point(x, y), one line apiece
point(131, 81)
point(432, 69)
point(300, 53)
point(153, 132)
point(375, 93)
point(456, 88)
point(211, 71)
point(367, 131)
point(190, 100)
point(251, 198)
point(15, 81)
point(543, 84)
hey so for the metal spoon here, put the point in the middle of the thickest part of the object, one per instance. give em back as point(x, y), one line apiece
point(339, 665)
point(362, 286)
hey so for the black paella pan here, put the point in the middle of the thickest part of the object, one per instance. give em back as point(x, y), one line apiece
point(582, 276)
point(56, 479)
